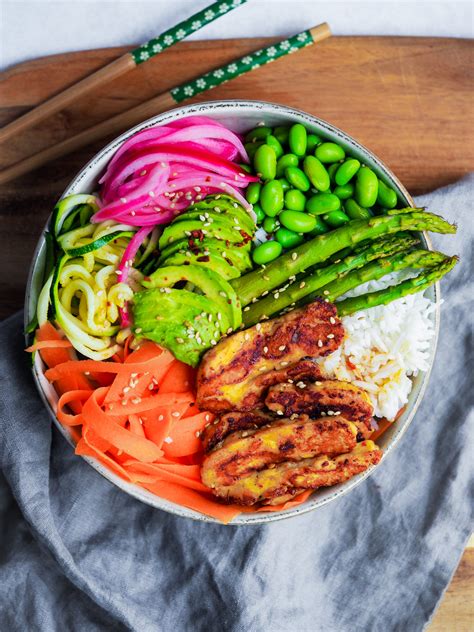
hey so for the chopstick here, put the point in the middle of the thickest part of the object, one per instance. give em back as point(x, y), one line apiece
point(120, 66)
point(169, 99)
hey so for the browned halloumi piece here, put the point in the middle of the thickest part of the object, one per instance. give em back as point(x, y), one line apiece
point(328, 397)
point(282, 440)
point(287, 479)
point(236, 373)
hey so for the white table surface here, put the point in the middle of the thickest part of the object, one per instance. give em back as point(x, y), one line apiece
point(35, 28)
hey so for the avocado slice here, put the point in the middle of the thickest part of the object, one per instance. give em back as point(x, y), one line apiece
point(235, 216)
point(213, 260)
point(219, 229)
point(174, 320)
point(213, 286)
point(237, 255)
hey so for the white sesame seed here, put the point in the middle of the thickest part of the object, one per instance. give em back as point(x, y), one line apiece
point(281, 347)
point(284, 363)
point(247, 337)
point(265, 349)
point(326, 292)
point(136, 400)
point(198, 434)
point(161, 417)
point(301, 384)
point(258, 326)
point(318, 383)
point(180, 340)
point(168, 440)
point(151, 193)
point(279, 412)
point(246, 309)
point(87, 372)
point(294, 256)
point(330, 336)
point(126, 389)
point(290, 381)
point(320, 343)
point(138, 330)
point(175, 414)
point(302, 284)
point(276, 295)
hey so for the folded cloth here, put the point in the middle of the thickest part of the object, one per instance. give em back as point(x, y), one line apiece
point(79, 554)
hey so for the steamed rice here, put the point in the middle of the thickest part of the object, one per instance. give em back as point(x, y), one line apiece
point(384, 347)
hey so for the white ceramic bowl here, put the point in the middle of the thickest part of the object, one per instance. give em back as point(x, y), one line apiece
point(239, 116)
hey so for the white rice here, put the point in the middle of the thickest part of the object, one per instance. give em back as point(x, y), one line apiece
point(386, 345)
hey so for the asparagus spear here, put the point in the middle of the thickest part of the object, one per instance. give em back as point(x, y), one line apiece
point(253, 284)
point(299, 288)
point(410, 286)
point(376, 270)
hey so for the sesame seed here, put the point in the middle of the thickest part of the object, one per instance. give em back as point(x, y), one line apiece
point(326, 292)
point(246, 309)
point(265, 293)
point(301, 384)
point(294, 256)
point(198, 434)
point(223, 294)
point(276, 295)
point(330, 413)
point(161, 417)
point(209, 318)
point(180, 341)
point(332, 320)
point(284, 363)
point(197, 189)
point(168, 440)
point(323, 414)
point(138, 330)
point(330, 336)
point(320, 343)
point(151, 193)
point(202, 218)
point(281, 347)
point(87, 372)
point(136, 400)
point(126, 389)
point(263, 368)
point(213, 342)
point(279, 412)
point(302, 284)
point(266, 277)
point(318, 383)
point(290, 381)
point(247, 337)
point(337, 412)
point(175, 414)
point(123, 200)
point(230, 330)
point(265, 349)
point(207, 418)
point(258, 326)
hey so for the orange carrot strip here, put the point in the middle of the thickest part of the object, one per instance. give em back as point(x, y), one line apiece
point(183, 433)
point(157, 424)
point(137, 405)
point(193, 500)
point(153, 472)
point(85, 448)
point(78, 397)
point(52, 357)
point(49, 344)
point(298, 500)
point(95, 418)
point(136, 426)
point(179, 377)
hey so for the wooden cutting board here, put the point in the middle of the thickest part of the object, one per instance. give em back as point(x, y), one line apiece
point(410, 100)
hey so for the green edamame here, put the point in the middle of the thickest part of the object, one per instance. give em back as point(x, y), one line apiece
point(271, 198)
point(297, 178)
point(354, 211)
point(323, 203)
point(298, 139)
point(297, 221)
point(317, 173)
point(313, 141)
point(320, 228)
point(346, 171)
point(288, 238)
point(366, 188)
point(281, 132)
point(265, 162)
point(270, 224)
point(266, 252)
point(258, 133)
point(332, 169)
point(252, 192)
point(329, 152)
point(285, 185)
point(244, 167)
point(386, 196)
point(257, 209)
point(287, 160)
point(344, 191)
point(295, 200)
point(274, 143)
point(251, 149)
point(336, 219)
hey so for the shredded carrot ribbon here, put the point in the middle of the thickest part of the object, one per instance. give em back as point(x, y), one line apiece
point(137, 416)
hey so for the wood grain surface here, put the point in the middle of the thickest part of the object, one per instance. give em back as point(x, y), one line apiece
point(410, 100)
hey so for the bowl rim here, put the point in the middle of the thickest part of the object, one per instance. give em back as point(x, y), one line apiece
point(265, 108)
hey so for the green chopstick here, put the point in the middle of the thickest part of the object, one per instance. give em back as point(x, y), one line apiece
point(169, 99)
point(120, 66)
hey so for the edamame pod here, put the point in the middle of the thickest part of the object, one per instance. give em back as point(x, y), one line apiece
point(265, 162)
point(281, 133)
point(274, 143)
point(320, 228)
point(344, 191)
point(285, 185)
point(271, 198)
point(323, 203)
point(298, 139)
point(270, 224)
point(295, 200)
point(258, 133)
point(266, 252)
point(257, 209)
point(288, 238)
point(287, 160)
point(336, 218)
point(367, 186)
point(346, 171)
point(354, 211)
point(297, 221)
point(297, 178)
point(252, 192)
point(317, 173)
point(386, 196)
point(329, 152)
point(313, 141)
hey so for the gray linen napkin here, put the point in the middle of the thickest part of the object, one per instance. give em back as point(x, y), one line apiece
point(76, 553)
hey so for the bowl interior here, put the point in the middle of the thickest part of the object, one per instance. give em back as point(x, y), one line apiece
point(239, 116)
